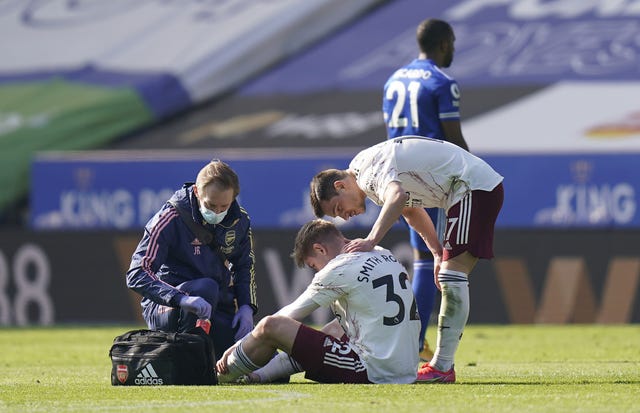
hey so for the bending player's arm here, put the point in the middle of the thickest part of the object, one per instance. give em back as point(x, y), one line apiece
point(395, 199)
point(419, 220)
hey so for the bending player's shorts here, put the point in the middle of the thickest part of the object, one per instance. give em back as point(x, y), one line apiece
point(470, 224)
point(327, 359)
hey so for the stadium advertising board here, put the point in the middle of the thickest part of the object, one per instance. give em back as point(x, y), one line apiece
point(67, 277)
point(556, 191)
point(113, 192)
point(118, 191)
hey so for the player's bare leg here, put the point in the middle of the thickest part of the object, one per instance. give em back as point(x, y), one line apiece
point(258, 347)
point(282, 365)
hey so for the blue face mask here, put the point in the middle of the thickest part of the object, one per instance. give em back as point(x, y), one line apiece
point(211, 217)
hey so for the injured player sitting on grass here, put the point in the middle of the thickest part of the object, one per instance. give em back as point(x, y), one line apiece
point(372, 338)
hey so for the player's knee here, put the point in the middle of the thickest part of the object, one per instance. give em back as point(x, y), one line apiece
point(334, 329)
point(206, 288)
point(269, 326)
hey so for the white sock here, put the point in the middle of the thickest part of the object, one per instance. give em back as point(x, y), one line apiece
point(454, 312)
point(282, 365)
point(238, 364)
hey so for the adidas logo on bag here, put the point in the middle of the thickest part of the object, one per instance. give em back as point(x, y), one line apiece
point(148, 377)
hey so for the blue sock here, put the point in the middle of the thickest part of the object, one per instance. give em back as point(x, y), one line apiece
point(424, 290)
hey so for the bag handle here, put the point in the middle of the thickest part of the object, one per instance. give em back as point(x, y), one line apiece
point(147, 336)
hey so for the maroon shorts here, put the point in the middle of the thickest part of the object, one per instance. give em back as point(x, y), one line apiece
point(327, 359)
point(470, 224)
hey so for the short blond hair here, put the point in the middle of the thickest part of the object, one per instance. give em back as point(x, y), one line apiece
point(219, 173)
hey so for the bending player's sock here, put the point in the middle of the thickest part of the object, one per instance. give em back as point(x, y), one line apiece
point(424, 290)
point(238, 364)
point(454, 311)
point(282, 365)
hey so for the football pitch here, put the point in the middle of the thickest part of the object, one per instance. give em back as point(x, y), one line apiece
point(575, 368)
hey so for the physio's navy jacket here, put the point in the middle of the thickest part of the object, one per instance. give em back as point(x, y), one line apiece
point(170, 254)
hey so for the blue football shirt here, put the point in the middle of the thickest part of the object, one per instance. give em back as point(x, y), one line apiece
point(417, 97)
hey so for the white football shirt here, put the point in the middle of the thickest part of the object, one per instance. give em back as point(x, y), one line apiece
point(370, 294)
point(434, 173)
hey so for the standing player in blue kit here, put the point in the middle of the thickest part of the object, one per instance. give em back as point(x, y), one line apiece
point(420, 99)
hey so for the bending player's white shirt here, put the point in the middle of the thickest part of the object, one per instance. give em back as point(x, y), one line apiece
point(370, 295)
point(435, 173)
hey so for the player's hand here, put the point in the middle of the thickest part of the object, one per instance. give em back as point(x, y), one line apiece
point(244, 320)
point(221, 365)
point(359, 244)
point(197, 305)
point(437, 260)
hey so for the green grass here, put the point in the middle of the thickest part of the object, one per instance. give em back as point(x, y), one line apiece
point(577, 368)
